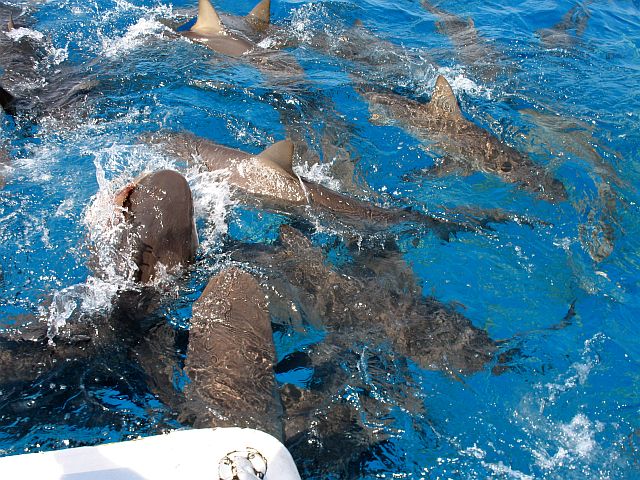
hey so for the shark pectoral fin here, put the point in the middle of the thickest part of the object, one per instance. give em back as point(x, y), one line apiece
point(280, 153)
point(208, 22)
point(443, 100)
point(260, 16)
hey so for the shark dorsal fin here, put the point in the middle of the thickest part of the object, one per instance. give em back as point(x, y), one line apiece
point(7, 101)
point(443, 99)
point(208, 22)
point(280, 153)
point(10, 24)
point(260, 16)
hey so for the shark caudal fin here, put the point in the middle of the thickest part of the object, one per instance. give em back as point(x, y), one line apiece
point(260, 16)
point(443, 100)
point(7, 101)
point(208, 22)
point(280, 153)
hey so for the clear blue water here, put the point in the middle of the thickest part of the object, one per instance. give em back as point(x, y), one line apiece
point(570, 405)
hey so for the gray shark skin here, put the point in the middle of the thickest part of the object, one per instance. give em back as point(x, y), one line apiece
point(360, 308)
point(211, 32)
point(567, 32)
point(158, 211)
point(467, 147)
point(7, 101)
point(378, 307)
point(230, 358)
point(268, 178)
point(472, 48)
point(20, 57)
point(4, 162)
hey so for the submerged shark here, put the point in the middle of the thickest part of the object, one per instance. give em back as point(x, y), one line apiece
point(358, 305)
point(269, 177)
point(567, 32)
point(466, 146)
point(473, 49)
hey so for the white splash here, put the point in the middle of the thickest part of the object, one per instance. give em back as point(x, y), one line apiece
point(22, 32)
point(459, 82)
point(135, 36)
point(92, 296)
point(212, 201)
point(304, 18)
point(318, 173)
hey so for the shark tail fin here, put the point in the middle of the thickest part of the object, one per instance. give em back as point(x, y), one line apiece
point(280, 153)
point(208, 22)
point(260, 16)
point(443, 99)
point(10, 24)
point(7, 101)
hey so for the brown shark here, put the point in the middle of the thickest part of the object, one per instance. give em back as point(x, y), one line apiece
point(230, 358)
point(473, 49)
point(269, 177)
point(210, 31)
point(158, 212)
point(567, 32)
point(360, 306)
point(466, 146)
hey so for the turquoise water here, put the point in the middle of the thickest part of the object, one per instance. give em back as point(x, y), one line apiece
point(569, 405)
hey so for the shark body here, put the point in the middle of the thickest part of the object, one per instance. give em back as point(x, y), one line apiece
point(466, 146)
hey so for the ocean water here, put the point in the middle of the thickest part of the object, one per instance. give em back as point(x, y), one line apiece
point(568, 406)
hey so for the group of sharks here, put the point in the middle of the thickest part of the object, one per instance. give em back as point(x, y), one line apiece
point(229, 355)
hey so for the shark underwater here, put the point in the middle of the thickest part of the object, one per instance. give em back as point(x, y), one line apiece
point(29, 90)
point(472, 49)
point(567, 32)
point(269, 179)
point(467, 147)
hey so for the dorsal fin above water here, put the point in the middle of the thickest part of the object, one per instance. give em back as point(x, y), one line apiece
point(443, 99)
point(260, 16)
point(10, 24)
point(208, 22)
point(280, 153)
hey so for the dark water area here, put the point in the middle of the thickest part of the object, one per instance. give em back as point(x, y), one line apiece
point(517, 383)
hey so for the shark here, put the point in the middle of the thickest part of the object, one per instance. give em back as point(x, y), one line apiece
point(567, 32)
point(209, 30)
point(268, 177)
point(230, 358)
point(357, 304)
point(467, 147)
point(159, 231)
point(473, 49)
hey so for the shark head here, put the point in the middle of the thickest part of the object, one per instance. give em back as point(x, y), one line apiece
point(158, 208)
